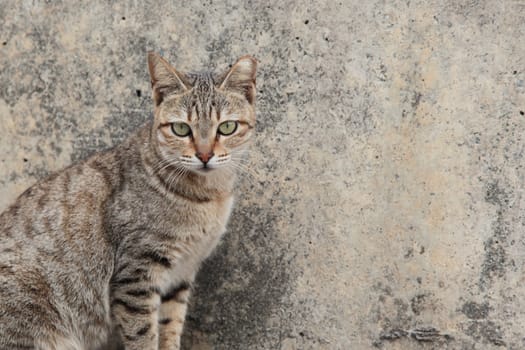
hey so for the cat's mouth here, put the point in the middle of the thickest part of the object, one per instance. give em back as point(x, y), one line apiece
point(205, 168)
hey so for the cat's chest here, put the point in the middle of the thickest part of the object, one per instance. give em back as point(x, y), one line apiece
point(196, 234)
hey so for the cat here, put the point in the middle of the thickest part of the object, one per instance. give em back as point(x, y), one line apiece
point(109, 247)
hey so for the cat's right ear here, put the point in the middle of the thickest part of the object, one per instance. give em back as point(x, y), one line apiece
point(241, 78)
point(165, 80)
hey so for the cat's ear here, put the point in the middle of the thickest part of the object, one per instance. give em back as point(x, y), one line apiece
point(165, 80)
point(241, 78)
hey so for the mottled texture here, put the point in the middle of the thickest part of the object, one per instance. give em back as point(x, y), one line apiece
point(387, 206)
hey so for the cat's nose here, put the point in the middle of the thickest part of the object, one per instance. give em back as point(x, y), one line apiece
point(204, 157)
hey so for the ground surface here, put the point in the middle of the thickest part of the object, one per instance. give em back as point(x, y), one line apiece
point(387, 209)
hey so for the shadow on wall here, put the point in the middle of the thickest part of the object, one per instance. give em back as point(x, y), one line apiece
point(240, 287)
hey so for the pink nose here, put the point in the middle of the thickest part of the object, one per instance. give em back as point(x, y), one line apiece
point(204, 157)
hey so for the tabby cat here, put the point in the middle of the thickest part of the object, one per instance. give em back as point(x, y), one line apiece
point(109, 247)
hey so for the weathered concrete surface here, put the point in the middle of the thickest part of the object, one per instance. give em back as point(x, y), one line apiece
point(387, 206)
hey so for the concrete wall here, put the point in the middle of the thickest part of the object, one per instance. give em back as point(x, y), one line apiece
point(386, 208)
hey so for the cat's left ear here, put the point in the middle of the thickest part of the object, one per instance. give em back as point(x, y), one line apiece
point(241, 78)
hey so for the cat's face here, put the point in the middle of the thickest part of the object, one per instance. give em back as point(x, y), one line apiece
point(203, 122)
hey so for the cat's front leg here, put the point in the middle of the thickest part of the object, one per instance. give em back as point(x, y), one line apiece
point(171, 316)
point(135, 309)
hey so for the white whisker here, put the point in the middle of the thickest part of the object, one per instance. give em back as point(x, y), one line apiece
point(164, 164)
point(252, 177)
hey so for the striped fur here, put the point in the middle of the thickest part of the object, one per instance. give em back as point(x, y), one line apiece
point(109, 247)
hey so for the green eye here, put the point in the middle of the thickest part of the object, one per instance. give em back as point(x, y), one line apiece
point(181, 129)
point(227, 128)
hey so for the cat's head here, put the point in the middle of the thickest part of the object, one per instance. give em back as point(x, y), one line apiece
point(203, 121)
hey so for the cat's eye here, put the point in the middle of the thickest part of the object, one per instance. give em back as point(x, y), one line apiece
point(181, 129)
point(227, 128)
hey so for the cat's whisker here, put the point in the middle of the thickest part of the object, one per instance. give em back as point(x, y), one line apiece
point(244, 171)
point(245, 167)
point(237, 159)
point(172, 179)
point(239, 155)
point(253, 172)
point(161, 162)
point(252, 177)
point(241, 151)
point(175, 177)
point(168, 162)
point(239, 174)
point(171, 175)
point(164, 164)
point(180, 174)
